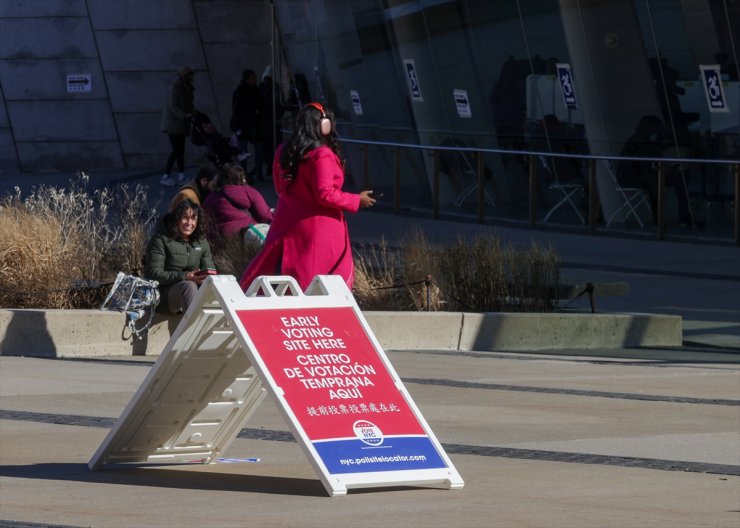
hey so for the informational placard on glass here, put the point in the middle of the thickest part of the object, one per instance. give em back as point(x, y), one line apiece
point(354, 95)
point(462, 103)
point(567, 87)
point(315, 354)
point(412, 80)
point(713, 90)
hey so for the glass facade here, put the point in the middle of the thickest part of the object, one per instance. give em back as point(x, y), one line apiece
point(642, 78)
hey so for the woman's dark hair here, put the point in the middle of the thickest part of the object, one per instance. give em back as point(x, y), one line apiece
point(232, 174)
point(209, 171)
point(307, 137)
point(172, 219)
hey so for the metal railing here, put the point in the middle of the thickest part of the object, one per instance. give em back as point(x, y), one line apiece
point(659, 164)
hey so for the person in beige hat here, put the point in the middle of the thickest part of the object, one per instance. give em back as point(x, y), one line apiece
point(177, 111)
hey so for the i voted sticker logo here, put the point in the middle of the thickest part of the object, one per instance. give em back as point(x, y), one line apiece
point(368, 432)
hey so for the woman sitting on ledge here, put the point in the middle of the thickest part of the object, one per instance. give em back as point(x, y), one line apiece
point(235, 206)
point(176, 255)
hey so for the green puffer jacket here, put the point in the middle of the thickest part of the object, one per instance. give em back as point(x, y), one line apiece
point(168, 259)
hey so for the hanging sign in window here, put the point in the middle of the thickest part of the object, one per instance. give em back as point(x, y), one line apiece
point(413, 79)
point(462, 103)
point(565, 76)
point(712, 81)
point(356, 103)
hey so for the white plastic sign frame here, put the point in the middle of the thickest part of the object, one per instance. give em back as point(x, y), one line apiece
point(315, 354)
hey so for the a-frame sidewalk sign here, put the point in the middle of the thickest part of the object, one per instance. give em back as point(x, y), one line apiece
point(315, 354)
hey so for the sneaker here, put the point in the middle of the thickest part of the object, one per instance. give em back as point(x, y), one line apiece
point(181, 178)
point(167, 180)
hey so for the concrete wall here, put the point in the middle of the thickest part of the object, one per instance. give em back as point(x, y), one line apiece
point(77, 333)
point(131, 50)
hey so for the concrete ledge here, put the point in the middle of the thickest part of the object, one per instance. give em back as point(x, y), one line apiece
point(76, 333)
point(416, 330)
point(86, 333)
point(532, 331)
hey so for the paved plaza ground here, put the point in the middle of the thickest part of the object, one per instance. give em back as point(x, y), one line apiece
point(540, 440)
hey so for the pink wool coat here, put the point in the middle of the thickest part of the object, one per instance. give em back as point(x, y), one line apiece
point(308, 235)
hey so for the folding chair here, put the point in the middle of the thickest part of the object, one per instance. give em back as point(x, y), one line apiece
point(632, 198)
point(468, 171)
point(567, 192)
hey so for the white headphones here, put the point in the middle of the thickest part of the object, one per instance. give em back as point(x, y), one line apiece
point(325, 124)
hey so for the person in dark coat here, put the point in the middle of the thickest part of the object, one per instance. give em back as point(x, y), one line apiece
point(178, 108)
point(247, 107)
point(271, 133)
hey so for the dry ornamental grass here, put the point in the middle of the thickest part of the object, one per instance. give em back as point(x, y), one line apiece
point(480, 275)
point(58, 245)
point(61, 248)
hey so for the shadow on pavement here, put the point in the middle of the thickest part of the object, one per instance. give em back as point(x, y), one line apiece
point(167, 478)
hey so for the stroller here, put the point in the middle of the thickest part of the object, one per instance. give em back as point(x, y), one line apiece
point(205, 134)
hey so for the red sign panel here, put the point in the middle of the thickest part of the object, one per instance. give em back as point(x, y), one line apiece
point(339, 389)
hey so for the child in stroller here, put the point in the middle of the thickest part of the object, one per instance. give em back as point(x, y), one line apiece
point(220, 151)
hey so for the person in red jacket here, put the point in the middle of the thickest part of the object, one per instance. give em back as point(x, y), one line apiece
point(235, 205)
point(308, 235)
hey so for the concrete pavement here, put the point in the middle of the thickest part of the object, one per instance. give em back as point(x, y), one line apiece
point(541, 441)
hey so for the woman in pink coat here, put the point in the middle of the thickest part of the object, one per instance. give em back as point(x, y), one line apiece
point(308, 235)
